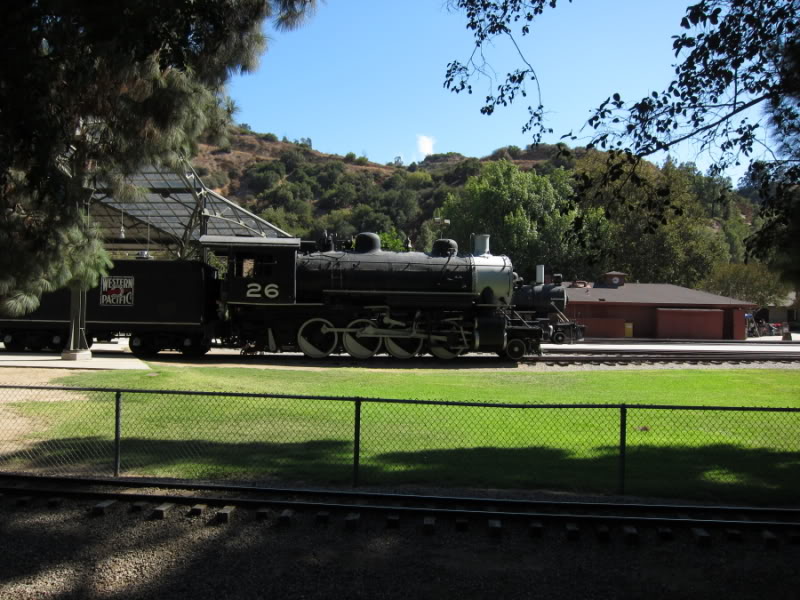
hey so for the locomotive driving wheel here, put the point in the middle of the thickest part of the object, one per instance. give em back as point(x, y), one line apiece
point(403, 347)
point(358, 346)
point(315, 338)
point(453, 347)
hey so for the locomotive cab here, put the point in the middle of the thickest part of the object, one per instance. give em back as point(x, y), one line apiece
point(259, 270)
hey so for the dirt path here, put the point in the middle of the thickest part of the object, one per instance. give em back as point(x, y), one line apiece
point(26, 376)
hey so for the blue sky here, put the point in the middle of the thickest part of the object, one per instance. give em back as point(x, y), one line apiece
point(365, 76)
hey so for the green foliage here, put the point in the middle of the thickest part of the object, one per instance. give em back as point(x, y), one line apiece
point(528, 216)
point(752, 282)
point(392, 240)
point(419, 180)
point(217, 179)
point(350, 157)
point(682, 250)
point(736, 76)
point(361, 160)
point(269, 137)
point(90, 95)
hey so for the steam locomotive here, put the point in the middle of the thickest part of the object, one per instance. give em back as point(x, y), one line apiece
point(277, 295)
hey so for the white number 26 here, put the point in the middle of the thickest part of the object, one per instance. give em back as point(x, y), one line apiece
point(256, 290)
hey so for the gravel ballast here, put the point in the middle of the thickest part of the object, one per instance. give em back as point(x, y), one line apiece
point(67, 553)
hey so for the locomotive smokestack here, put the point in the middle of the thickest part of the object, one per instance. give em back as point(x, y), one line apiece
point(539, 274)
point(480, 244)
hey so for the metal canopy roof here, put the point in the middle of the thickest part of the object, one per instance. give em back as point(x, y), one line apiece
point(228, 241)
point(173, 211)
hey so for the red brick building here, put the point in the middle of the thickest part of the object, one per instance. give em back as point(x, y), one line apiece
point(611, 307)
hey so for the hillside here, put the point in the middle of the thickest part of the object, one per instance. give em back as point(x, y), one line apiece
point(307, 192)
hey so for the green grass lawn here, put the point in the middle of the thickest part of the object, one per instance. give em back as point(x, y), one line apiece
point(689, 454)
point(745, 387)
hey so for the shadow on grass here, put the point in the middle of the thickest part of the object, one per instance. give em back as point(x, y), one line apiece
point(715, 472)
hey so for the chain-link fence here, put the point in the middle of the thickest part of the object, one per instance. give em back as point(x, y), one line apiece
point(678, 451)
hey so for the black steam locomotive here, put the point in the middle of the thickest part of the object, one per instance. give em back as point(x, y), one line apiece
point(277, 296)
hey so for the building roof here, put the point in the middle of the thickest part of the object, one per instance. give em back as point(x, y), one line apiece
point(657, 294)
point(174, 208)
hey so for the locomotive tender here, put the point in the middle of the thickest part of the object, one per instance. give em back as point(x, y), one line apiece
point(275, 297)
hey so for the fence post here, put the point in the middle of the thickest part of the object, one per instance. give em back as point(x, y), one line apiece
point(117, 433)
point(357, 443)
point(623, 429)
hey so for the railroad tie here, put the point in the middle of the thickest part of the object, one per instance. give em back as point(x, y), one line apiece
point(495, 528)
point(535, 529)
point(603, 533)
point(197, 510)
point(631, 534)
point(733, 535)
point(224, 516)
point(352, 521)
point(666, 534)
point(429, 525)
point(573, 531)
point(769, 538)
point(160, 511)
point(701, 536)
point(286, 518)
point(101, 507)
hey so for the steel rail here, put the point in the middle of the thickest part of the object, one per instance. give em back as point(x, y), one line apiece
point(511, 503)
point(257, 503)
point(664, 358)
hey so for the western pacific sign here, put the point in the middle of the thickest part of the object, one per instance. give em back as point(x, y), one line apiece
point(116, 291)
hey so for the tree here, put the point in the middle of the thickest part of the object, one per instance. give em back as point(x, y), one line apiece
point(738, 76)
point(752, 282)
point(91, 92)
point(682, 250)
point(529, 217)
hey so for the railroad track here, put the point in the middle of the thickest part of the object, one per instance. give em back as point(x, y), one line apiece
point(604, 521)
point(580, 356)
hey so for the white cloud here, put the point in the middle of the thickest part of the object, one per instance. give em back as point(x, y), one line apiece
point(425, 144)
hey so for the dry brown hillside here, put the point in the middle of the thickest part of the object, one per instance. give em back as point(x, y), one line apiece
point(247, 148)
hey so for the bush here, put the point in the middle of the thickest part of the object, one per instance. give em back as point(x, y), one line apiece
point(350, 157)
point(362, 160)
point(216, 180)
point(269, 137)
